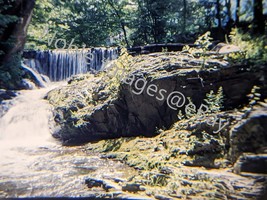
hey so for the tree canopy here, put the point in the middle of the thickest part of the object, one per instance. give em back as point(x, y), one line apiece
point(93, 23)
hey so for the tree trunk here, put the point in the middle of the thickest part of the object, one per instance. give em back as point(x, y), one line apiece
point(121, 22)
point(258, 21)
point(230, 21)
point(218, 14)
point(184, 15)
point(237, 12)
point(12, 41)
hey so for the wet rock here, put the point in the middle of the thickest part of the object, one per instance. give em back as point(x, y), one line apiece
point(32, 78)
point(252, 163)
point(176, 196)
point(132, 187)
point(118, 180)
point(211, 124)
point(5, 100)
point(45, 78)
point(114, 195)
point(93, 182)
point(7, 94)
point(90, 182)
point(27, 84)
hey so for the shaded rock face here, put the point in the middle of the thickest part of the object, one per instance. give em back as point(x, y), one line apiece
point(130, 114)
point(253, 163)
point(249, 135)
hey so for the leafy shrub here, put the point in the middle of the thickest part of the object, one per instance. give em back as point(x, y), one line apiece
point(255, 47)
point(203, 44)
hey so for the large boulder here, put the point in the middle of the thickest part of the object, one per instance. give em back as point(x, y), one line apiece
point(249, 135)
point(140, 110)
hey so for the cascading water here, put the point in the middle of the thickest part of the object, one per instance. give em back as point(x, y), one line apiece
point(38, 78)
point(61, 64)
point(33, 164)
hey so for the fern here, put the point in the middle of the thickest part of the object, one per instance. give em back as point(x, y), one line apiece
point(215, 101)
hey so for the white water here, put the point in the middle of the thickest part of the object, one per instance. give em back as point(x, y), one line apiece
point(61, 64)
point(26, 123)
point(33, 164)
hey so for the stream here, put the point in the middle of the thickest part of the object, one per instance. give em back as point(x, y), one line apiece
point(33, 164)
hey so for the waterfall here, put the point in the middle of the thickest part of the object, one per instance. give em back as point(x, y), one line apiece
point(36, 77)
point(61, 64)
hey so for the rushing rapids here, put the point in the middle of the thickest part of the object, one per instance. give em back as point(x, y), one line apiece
point(33, 164)
point(61, 64)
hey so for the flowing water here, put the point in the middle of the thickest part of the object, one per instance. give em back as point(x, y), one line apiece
point(33, 164)
point(61, 64)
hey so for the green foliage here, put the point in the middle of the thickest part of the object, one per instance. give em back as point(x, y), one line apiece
point(203, 43)
point(120, 70)
point(180, 115)
point(153, 179)
point(214, 101)
point(122, 22)
point(254, 47)
point(6, 19)
point(89, 23)
point(10, 72)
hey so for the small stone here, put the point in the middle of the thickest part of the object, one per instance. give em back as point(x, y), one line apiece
point(90, 182)
point(166, 170)
point(161, 197)
point(186, 183)
point(117, 180)
point(132, 187)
